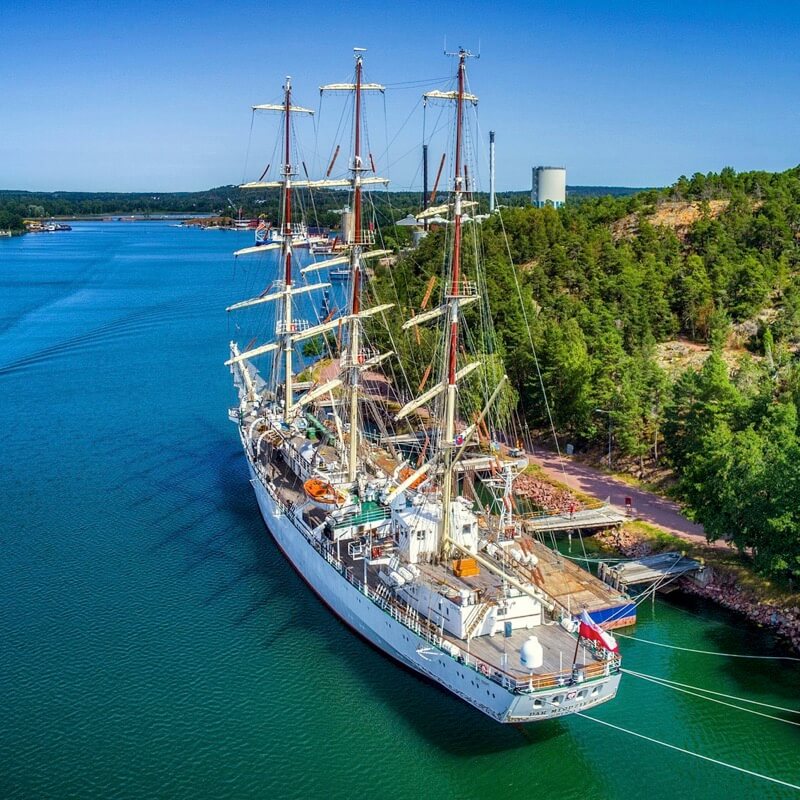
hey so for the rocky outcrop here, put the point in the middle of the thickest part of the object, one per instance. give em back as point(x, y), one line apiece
point(549, 498)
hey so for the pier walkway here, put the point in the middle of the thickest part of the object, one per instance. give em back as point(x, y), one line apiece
point(648, 570)
point(606, 516)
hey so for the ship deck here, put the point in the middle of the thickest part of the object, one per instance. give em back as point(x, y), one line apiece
point(499, 653)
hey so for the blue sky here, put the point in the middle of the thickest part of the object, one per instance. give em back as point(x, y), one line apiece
point(145, 96)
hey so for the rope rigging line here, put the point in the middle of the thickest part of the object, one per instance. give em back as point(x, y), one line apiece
point(710, 691)
point(707, 652)
point(666, 685)
point(683, 750)
point(249, 141)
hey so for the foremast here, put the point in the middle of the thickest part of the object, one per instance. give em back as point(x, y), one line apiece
point(284, 333)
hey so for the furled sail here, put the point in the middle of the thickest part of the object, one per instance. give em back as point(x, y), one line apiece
point(433, 392)
point(261, 248)
point(254, 301)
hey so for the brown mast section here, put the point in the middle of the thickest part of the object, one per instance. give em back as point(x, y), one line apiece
point(456, 267)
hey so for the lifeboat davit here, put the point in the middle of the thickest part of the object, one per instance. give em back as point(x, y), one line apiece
point(323, 495)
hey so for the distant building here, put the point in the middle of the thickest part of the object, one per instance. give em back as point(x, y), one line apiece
point(549, 186)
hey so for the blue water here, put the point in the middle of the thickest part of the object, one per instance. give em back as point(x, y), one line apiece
point(156, 644)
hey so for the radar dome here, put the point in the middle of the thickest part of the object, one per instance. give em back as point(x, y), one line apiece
point(531, 655)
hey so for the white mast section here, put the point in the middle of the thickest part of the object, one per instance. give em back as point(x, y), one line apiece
point(356, 181)
point(285, 340)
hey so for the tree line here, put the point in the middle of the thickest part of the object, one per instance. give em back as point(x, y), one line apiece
point(596, 303)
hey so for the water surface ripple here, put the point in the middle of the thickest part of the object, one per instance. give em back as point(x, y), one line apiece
point(156, 644)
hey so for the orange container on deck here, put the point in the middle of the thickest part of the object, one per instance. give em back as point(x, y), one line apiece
point(466, 568)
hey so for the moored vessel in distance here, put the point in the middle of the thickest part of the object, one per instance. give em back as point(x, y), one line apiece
point(391, 543)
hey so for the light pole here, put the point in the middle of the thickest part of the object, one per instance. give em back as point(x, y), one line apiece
point(604, 411)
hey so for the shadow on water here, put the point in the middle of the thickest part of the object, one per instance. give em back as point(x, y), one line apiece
point(442, 719)
point(725, 631)
point(285, 608)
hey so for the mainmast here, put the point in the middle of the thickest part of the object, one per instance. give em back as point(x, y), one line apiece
point(287, 344)
point(355, 275)
point(351, 362)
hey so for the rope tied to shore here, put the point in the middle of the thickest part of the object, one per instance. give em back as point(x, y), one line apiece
point(706, 652)
point(690, 752)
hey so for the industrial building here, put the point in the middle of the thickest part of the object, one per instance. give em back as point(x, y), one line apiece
point(549, 186)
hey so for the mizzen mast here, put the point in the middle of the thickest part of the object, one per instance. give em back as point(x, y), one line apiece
point(452, 334)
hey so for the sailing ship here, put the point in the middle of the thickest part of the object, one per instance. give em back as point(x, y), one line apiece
point(392, 546)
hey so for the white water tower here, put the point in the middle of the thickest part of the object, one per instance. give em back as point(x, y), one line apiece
point(549, 186)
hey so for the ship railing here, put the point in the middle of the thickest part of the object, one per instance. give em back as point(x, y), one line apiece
point(463, 289)
point(407, 616)
point(295, 326)
point(364, 355)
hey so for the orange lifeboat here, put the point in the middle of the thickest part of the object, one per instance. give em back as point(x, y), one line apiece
point(407, 472)
point(323, 495)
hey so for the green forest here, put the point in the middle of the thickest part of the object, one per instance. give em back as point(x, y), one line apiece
point(18, 205)
point(607, 283)
point(605, 286)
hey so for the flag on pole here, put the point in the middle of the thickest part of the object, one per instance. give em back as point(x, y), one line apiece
point(589, 629)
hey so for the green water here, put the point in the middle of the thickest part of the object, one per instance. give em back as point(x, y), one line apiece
point(154, 642)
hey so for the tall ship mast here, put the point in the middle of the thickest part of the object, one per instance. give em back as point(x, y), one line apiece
point(387, 540)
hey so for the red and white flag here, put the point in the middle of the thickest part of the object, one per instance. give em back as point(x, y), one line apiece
point(589, 629)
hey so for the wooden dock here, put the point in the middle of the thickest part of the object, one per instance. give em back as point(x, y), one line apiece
point(606, 516)
point(649, 570)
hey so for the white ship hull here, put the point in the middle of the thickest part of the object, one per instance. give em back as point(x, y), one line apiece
point(382, 628)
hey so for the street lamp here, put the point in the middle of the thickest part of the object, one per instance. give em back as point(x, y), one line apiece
point(604, 411)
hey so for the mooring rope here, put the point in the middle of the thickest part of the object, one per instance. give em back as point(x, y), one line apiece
point(722, 694)
point(705, 652)
point(691, 752)
point(677, 688)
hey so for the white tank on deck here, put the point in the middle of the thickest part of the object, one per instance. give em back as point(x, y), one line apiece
point(549, 186)
point(531, 656)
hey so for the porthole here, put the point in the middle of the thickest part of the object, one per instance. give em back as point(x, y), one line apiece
point(556, 701)
point(537, 703)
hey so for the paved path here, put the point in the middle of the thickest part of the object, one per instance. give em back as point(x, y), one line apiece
point(649, 507)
